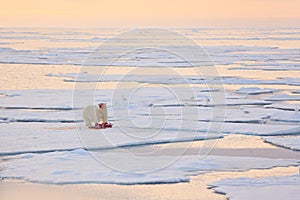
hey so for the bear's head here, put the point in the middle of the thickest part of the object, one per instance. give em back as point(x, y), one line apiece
point(102, 106)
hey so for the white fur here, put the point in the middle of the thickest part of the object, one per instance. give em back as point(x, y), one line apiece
point(93, 114)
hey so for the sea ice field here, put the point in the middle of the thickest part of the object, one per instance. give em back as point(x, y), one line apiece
point(162, 87)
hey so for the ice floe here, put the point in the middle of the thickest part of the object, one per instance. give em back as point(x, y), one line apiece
point(243, 115)
point(208, 103)
point(281, 106)
point(39, 137)
point(291, 81)
point(283, 97)
point(159, 97)
point(262, 67)
point(36, 137)
point(35, 115)
point(80, 166)
point(50, 99)
point(260, 129)
point(296, 91)
point(275, 188)
point(286, 116)
point(39, 99)
point(289, 142)
point(177, 79)
point(255, 90)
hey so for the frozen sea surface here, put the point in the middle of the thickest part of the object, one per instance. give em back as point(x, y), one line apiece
point(283, 97)
point(20, 138)
point(290, 142)
point(180, 79)
point(284, 116)
point(286, 107)
point(44, 137)
point(277, 188)
point(80, 167)
point(255, 90)
point(259, 72)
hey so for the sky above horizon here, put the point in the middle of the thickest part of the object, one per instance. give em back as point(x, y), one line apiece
point(154, 13)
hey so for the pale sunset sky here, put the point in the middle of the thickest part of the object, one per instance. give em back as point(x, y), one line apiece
point(154, 13)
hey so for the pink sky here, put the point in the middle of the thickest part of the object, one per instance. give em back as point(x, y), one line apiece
point(155, 13)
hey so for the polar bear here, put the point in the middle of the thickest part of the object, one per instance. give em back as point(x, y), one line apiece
point(93, 114)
